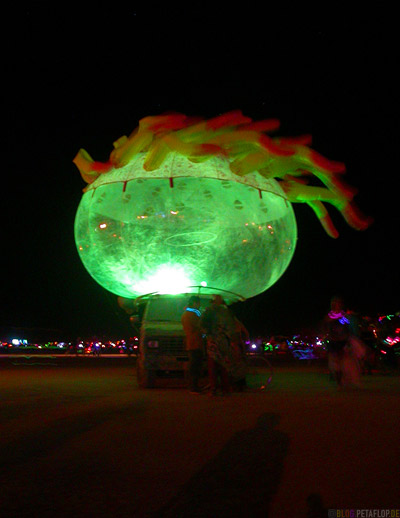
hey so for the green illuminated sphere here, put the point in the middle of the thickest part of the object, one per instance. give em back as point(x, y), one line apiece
point(184, 224)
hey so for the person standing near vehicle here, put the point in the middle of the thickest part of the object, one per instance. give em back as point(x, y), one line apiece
point(238, 344)
point(194, 342)
point(223, 363)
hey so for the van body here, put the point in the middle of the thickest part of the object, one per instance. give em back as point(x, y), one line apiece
point(162, 348)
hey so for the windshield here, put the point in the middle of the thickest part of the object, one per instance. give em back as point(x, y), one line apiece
point(169, 309)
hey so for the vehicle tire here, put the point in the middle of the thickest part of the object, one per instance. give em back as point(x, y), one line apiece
point(145, 377)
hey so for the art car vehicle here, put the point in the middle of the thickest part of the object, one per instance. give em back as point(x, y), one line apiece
point(162, 351)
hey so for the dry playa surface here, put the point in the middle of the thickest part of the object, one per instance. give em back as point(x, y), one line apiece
point(81, 438)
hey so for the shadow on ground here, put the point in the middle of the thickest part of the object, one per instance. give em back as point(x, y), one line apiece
point(240, 480)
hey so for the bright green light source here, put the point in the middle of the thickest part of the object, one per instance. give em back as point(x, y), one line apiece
point(167, 279)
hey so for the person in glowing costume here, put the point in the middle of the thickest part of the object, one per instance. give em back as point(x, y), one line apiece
point(194, 342)
point(189, 202)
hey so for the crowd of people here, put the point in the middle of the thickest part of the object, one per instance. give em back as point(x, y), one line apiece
point(350, 352)
point(219, 335)
point(225, 338)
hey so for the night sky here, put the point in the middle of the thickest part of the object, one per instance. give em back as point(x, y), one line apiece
point(83, 81)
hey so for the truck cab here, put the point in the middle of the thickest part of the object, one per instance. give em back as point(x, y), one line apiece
point(162, 349)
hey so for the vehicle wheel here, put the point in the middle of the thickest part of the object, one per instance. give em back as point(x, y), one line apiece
point(145, 377)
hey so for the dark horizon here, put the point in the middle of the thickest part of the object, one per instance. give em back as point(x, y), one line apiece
point(50, 288)
point(339, 89)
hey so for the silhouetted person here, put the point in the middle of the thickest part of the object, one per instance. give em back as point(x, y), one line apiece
point(219, 325)
point(238, 344)
point(194, 342)
point(337, 332)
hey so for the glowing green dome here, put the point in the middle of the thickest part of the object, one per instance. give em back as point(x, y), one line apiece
point(184, 224)
point(185, 201)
